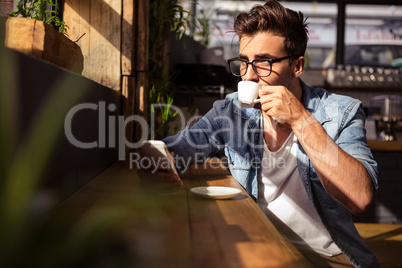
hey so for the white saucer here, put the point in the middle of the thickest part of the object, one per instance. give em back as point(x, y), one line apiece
point(216, 192)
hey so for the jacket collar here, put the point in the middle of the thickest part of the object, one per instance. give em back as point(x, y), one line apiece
point(313, 103)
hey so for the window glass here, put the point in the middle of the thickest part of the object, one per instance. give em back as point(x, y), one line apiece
point(373, 35)
point(321, 19)
point(320, 16)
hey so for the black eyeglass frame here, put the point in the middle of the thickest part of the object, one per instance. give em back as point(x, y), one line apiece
point(271, 61)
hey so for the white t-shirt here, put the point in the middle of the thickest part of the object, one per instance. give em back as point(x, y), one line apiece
point(282, 194)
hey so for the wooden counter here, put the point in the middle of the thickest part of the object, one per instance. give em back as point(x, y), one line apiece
point(178, 229)
point(376, 145)
point(385, 240)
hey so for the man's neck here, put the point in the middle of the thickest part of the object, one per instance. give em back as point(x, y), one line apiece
point(297, 89)
point(275, 134)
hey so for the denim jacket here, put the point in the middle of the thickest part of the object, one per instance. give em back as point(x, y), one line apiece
point(238, 132)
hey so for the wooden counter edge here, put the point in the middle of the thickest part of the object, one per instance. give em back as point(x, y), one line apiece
point(393, 146)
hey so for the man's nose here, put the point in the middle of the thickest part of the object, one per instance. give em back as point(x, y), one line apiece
point(250, 74)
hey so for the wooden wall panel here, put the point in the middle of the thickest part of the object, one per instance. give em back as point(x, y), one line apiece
point(115, 48)
point(127, 64)
point(135, 62)
point(141, 61)
point(129, 26)
point(142, 35)
point(105, 42)
point(76, 16)
point(129, 100)
point(100, 21)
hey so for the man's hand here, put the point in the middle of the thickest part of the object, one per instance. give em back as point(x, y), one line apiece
point(162, 180)
point(281, 105)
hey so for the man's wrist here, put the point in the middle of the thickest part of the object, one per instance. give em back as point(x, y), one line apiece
point(305, 120)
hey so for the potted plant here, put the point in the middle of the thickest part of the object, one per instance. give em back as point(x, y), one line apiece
point(31, 30)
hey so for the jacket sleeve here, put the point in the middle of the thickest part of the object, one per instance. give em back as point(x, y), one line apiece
point(352, 138)
point(204, 139)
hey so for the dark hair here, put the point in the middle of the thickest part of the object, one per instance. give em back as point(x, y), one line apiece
point(274, 18)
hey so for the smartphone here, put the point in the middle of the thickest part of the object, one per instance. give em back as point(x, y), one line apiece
point(157, 152)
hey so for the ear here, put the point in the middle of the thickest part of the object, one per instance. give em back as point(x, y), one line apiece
point(298, 66)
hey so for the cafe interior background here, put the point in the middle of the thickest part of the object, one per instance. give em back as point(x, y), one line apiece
point(355, 49)
point(370, 38)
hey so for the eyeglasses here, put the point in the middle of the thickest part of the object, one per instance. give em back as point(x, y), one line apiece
point(262, 67)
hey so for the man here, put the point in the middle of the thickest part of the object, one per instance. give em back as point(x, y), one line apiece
point(303, 153)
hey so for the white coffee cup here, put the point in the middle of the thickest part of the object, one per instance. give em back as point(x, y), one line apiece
point(248, 93)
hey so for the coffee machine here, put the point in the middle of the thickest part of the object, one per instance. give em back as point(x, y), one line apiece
point(386, 110)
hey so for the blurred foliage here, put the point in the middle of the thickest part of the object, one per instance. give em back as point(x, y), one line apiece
point(205, 29)
point(165, 16)
point(26, 239)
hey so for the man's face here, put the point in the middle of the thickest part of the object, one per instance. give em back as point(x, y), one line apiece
point(266, 46)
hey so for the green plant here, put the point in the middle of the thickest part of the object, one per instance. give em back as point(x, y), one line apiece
point(165, 16)
point(204, 18)
point(44, 10)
